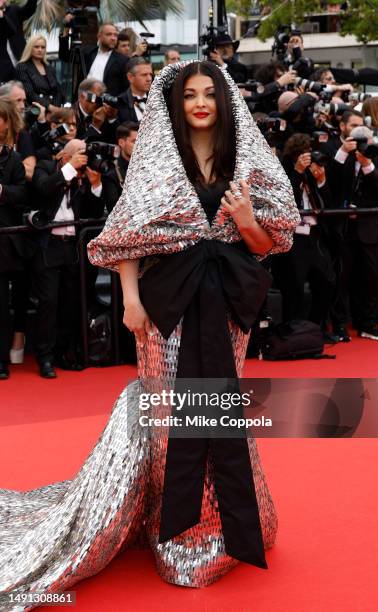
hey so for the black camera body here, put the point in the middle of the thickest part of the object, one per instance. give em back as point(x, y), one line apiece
point(31, 114)
point(318, 157)
point(106, 98)
point(368, 150)
point(51, 138)
point(101, 155)
point(150, 46)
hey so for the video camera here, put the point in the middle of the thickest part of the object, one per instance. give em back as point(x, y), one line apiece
point(150, 47)
point(101, 155)
point(105, 98)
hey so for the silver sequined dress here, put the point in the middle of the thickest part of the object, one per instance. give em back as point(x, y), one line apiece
point(54, 536)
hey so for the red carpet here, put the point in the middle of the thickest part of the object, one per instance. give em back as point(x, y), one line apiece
point(325, 492)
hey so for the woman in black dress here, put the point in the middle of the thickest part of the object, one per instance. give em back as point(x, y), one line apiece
point(194, 239)
point(37, 76)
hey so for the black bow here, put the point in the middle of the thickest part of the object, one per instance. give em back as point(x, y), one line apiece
point(139, 100)
point(200, 283)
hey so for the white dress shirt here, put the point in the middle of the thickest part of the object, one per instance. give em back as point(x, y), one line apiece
point(97, 69)
point(64, 213)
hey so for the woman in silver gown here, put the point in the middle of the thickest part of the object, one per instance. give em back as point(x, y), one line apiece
point(186, 234)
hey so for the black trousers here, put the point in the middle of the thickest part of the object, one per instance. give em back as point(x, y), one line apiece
point(56, 283)
point(6, 331)
point(308, 260)
point(356, 293)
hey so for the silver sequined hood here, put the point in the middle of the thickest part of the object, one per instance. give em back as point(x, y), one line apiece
point(159, 210)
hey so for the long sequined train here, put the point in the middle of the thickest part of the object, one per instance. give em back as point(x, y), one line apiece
point(54, 536)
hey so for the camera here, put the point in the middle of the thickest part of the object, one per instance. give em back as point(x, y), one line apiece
point(51, 137)
point(101, 155)
point(281, 39)
point(368, 150)
point(37, 218)
point(318, 138)
point(356, 96)
point(313, 86)
point(150, 47)
point(330, 108)
point(31, 114)
point(104, 99)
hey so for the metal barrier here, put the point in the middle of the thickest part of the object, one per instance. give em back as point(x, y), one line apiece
point(88, 225)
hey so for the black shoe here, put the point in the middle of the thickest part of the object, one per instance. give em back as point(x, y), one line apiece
point(46, 370)
point(62, 361)
point(330, 338)
point(342, 333)
point(370, 332)
point(4, 371)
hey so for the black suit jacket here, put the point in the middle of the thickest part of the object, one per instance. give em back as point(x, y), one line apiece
point(49, 185)
point(11, 28)
point(13, 202)
point(38, 88)
point(127, 110)
point(112, 187)
point(87, 132)
point(362, 191)
point(115, 77)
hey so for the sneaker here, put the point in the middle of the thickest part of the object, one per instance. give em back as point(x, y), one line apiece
point(369, 332)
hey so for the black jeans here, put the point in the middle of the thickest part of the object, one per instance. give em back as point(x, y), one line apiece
point(56, 281)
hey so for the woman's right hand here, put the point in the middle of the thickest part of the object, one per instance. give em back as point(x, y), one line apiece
point(136, 319)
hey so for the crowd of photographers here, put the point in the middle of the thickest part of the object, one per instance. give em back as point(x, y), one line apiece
point(63, 163)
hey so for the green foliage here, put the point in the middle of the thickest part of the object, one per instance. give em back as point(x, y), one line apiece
point(49, 13)
point(240, 7)
point(360, 17)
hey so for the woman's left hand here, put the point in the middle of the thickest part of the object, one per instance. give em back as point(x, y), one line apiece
point(238, 204)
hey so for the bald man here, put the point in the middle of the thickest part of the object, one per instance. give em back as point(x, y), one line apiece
point(67, 190)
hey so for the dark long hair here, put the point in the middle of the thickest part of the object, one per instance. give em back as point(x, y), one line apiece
point(224, 149)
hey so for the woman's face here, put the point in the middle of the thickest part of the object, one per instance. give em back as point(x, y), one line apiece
point(200, 107)
point(3, 130)
point(39, 49)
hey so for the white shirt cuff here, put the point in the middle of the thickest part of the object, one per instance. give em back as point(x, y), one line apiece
point(97, 191)
point(320, 185)
point(69, 172)
point(341, 156)
point(368, 169)
point(112, 120)
point(97, 130)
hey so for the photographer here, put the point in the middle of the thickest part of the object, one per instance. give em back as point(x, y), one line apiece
point(102, 62)
point(133, 101)
point(298, 111)
point(49, 137)
point(96, 120)
point(294, 58)
point(113, 180)
point(356, 185)
point(275, 79)
point(225, 56)
point(66, 189)
point(13, 248)
point(309, 258)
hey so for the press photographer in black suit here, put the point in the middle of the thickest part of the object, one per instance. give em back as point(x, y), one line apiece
point(309, 258)
point(356, 176)
point(102, 62)
point(13, 201)
point(12, 40)
point(66, 189)
point(113, 180)
point(95, 120)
